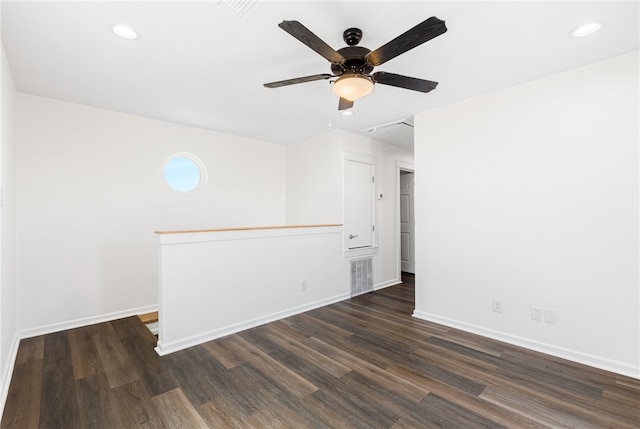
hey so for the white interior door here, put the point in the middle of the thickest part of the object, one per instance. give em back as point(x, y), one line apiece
point(407, 223)
point(359, 204)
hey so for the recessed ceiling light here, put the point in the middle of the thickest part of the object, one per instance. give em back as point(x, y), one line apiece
point(125, 32)
point(586, 29)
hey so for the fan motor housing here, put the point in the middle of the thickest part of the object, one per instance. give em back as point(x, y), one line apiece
point(355, 61)
point(352, 36)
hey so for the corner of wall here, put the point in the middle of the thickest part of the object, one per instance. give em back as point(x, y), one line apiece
point(8, 304)
point(7, 372)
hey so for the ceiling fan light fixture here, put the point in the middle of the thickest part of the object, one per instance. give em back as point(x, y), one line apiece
point(352, 86)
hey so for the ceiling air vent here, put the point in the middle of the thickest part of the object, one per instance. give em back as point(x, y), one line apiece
point(398, 132)
point(403, 122)
point(236, 7)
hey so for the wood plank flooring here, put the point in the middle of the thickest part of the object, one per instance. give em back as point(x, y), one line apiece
point(361, 363)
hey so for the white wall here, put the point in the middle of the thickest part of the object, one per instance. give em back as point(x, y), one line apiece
point(91, 194)
point(314, 180)
point(530, 195)
point(8, 330)
point(315, 189)
point(228, 281)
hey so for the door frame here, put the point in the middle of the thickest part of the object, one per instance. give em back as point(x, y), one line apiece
point(364, 159)
point(400, 166)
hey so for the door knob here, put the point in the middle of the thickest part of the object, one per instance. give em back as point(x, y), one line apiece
point(351, 236)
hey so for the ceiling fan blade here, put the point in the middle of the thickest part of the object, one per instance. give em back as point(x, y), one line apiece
point(305, 35)
point(406, 82)
point(416, 36)
point(296, 80)
point(345, 104)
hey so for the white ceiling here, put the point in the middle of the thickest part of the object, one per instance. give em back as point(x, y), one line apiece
point(199, 65)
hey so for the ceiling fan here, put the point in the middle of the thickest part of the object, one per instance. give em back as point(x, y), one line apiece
point(353, 64)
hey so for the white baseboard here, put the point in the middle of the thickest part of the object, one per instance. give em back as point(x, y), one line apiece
point(386, 284)
point(8, 372)
point(85, 321)
point(617, 367)
point(194, 340)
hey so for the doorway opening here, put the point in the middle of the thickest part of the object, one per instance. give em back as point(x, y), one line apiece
point(406, 239)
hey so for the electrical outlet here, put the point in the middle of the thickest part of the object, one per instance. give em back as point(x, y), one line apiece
point(549, 316)
point(536, 313)
point(497, 305)
point(303, 284)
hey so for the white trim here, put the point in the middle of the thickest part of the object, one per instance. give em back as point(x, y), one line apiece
point(164, 349)
point(86, 321)
point(617, 367)
point(400, 166)
point(197, 161)
point(7, 374)
point(359, 252)
point(387, 284)
point(360, 157)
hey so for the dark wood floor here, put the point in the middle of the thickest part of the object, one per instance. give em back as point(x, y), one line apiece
point(361, 363)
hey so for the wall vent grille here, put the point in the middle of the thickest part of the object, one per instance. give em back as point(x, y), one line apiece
point(361, 276)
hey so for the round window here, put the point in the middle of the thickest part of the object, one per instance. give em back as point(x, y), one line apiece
point(184, 172)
